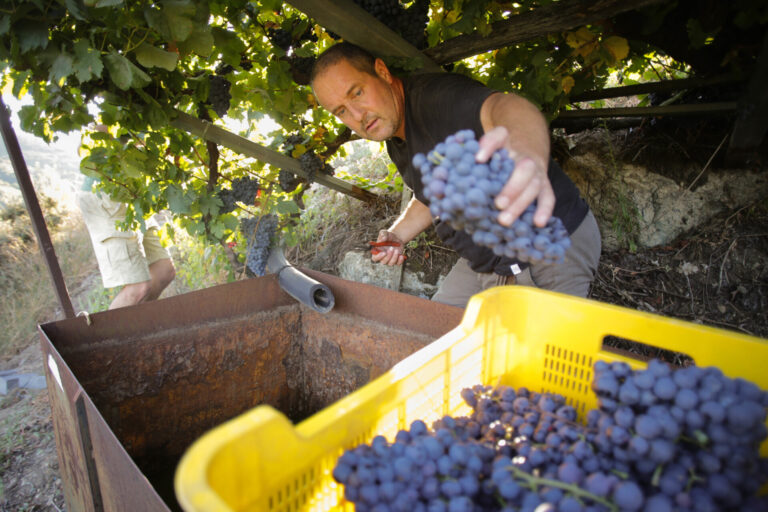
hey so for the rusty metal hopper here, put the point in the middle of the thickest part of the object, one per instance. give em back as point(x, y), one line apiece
point(132, 390)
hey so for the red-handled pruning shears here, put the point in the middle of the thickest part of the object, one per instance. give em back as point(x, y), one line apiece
point(375, 246)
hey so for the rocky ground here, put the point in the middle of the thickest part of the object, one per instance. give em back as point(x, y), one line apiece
point(714, 274)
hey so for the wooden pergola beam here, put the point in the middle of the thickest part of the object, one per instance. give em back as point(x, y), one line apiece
point(555, 17)
point(662, 86)
point(724, 107)
point(355, 25)
point(210, 132)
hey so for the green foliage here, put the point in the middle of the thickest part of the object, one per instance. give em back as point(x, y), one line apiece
point(199, 265)
point(133, 65)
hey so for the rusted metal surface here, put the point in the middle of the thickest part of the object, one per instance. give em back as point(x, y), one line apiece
point(154, 377)
point(33, 208)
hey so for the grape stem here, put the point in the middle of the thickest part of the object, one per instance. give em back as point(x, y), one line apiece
point(436, 158)
point(572, 489)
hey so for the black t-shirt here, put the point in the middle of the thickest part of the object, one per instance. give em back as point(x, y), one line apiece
point(441, 104)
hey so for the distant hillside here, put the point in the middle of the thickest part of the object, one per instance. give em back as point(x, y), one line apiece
point(55, 167)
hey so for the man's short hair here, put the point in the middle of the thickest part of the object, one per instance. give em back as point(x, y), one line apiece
point(359, 58)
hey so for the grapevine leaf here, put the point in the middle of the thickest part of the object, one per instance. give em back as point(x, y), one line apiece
point(61, 67)
point(228, 44)
point(28, 114)
point(195, 227)
point(139, 214)
point(19, 83)
point(539, 59)
point(178, 201)
point(157, 117)
point(567, 84)
point(208, 205)
point(217, 229)
point(618, 47)
point(271, 5)
point(230, 221)
point(108, 3)
point(286, 207)
point(139, 78)
point(31, 35)
point(76, 8)
point(119, 70)
point(150, 56)
point(158, 22)
point(200, 42)
point(133, 163)
point(179, 22)
point(87, 63)
point(5, 25)
point(581, 39)
point(472, 12)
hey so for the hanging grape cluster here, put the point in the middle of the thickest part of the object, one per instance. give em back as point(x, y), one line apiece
point(259, 232)
point(301, 68)
point(218, 94)
point(280, 38)
point(243, 190)
point(408, 23)
point(289, 181)
point(462, 191)
point(313, 164)
point(524, 451)
point(284, 39)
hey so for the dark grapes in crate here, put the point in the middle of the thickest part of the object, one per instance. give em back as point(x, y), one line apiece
point(661, 440)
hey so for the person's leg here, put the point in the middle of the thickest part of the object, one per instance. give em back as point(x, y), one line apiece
point(161, 269)
point(462, 283)
point(458, 286)
point(131, 294)
point(163, 273)
point(576, 273)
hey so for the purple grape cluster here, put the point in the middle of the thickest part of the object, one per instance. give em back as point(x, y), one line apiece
point(280, 38)
point(525, 451)
point(219, 95)
point(461, 192)
point(410, 23)
point(312, 164)
point(258, 231)
point(243, 189)
point(665, 425)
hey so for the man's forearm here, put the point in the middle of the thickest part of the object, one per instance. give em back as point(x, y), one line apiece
point(415, 218)
point(527, 127)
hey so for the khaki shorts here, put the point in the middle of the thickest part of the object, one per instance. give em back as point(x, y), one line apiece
point(572, 277)
point(124, 257)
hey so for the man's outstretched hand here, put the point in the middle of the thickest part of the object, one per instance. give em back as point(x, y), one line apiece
point(527, 183)
point(389, 255)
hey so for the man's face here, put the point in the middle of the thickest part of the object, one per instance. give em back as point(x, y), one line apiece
point(365, 103)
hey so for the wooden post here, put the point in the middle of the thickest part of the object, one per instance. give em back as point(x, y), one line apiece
point(752, 122)
point(34, 210)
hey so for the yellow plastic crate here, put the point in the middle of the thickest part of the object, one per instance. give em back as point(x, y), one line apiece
point(513, 336)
